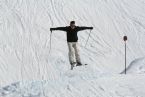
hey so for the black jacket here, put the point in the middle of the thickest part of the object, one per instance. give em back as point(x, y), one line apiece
point(71, 33)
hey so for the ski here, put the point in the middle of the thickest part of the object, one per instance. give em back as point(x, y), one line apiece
point(72, 66)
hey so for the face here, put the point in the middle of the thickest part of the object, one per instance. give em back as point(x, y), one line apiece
point(72, 26)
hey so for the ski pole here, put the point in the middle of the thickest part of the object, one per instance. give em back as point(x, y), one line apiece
point(50, 42)
point(125, 39)
point(88, 38)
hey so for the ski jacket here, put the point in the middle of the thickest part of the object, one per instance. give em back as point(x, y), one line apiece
point(71, 33)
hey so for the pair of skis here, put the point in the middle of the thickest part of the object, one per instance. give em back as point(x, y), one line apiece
point(75, 65)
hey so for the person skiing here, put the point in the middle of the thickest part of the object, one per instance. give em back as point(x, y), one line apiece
point(72, 41)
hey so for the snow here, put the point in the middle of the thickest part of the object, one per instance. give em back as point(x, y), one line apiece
point(72, 86)
point(28, 69)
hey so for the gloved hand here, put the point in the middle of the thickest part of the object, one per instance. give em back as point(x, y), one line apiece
point(51, 29)
point(91, 28)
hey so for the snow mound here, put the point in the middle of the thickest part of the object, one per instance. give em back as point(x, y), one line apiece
point(137, 66)
point(112, 86)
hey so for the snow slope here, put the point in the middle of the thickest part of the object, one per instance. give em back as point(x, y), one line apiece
point(25, 41)
point(111, 86)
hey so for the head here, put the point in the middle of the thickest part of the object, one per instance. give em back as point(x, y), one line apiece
point(72, 24)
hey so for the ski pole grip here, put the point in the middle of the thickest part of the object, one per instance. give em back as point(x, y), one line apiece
point(125, 38)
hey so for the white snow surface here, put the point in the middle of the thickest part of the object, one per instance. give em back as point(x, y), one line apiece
point(29, 68)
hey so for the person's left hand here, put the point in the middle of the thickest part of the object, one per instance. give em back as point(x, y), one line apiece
point(91, 28)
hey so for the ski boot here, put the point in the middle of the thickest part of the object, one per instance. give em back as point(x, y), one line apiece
point(72, 65)
point(79, 64)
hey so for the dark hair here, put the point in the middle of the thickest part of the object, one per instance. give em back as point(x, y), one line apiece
point(72, 22)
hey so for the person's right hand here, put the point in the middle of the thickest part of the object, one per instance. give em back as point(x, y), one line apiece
point(51, 29)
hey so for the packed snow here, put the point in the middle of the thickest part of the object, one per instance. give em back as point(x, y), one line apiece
point(29, 67)
point(70, 86)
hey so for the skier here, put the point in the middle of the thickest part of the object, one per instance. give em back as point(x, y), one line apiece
point(72, 41)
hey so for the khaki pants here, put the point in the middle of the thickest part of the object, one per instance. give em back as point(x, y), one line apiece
point(74, 55)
